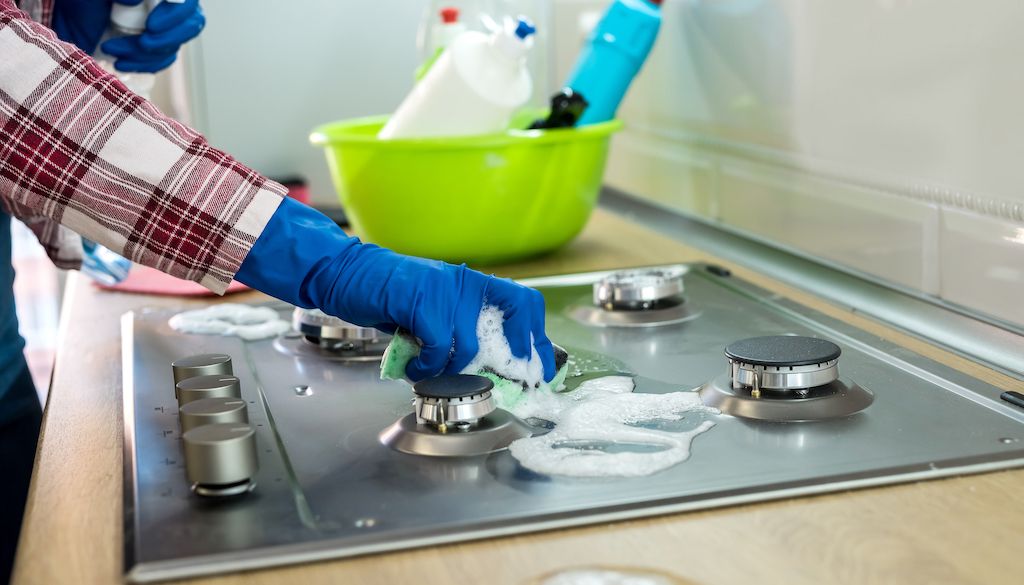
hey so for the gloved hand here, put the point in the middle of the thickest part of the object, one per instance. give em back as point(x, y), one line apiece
point(302, 257)
point(81, 22)
point(169, 26)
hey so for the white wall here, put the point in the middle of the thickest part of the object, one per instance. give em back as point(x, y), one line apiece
point(885, 136)
point(264, 73)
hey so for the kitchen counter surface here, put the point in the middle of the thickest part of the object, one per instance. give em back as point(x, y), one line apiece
point(960, 530)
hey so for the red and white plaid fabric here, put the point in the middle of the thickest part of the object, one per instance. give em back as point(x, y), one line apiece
point(78, 148)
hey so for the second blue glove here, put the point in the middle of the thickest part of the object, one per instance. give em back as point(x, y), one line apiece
point(169, 26)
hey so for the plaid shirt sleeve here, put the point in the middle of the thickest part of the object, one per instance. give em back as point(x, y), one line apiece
point(79, 148)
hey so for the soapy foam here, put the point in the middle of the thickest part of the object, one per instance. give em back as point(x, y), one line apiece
point(604, 411)
point(550, 405)
point(231, 319)
point(495, 354)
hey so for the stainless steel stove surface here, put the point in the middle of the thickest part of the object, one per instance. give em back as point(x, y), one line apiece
point(328, 487)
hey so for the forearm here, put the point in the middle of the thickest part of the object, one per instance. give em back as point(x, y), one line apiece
point(81, 149)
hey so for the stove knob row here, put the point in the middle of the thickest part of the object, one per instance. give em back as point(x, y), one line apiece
point(218, 441)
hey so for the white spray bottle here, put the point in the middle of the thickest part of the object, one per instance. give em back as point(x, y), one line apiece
point(474, 87)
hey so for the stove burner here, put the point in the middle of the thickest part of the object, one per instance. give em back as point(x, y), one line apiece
point(640, 290)
point(453, 402)
point(454, 416)
point(317, 334)
point(637, 298)
point(782, 363)
point(329, 332)
point(784, 378)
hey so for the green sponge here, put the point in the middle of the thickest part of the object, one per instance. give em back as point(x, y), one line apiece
point(402, 349)
point(507, 392)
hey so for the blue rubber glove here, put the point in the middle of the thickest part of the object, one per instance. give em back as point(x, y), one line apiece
point(302, 257)
point(169, 26)
point(81, 22)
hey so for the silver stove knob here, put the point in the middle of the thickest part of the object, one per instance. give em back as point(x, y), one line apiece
point(639, 289)
point(207, 411)
point(201, 387)
point(206, 364)
point(220, 459)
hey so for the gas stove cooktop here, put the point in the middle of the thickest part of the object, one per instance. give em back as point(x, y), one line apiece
point(323, 460)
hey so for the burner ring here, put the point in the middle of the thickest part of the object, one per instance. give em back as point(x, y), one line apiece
point(494, 433)
point(836, 399)
point(783, 377)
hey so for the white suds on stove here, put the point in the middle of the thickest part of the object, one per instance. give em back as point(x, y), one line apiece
point(231, 319)
point(606, 412)
point(496, 354)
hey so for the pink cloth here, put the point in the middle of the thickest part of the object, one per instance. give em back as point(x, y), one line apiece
point(149, 281)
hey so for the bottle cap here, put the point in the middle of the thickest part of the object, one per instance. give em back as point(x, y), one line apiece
point(514, 43)
point(449, 15)
point(525, 28)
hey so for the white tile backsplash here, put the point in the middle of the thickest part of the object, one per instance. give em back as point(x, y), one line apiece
point(983, 263)
point(884, 136)
point(871, 231)
point(666, 172)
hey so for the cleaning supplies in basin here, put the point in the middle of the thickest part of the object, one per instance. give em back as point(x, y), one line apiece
point(613, 55)
point(473, 88)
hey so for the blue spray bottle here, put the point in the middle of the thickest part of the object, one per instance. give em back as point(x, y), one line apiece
point(613, 56)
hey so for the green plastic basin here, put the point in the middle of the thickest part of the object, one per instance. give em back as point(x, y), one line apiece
point(481, 199)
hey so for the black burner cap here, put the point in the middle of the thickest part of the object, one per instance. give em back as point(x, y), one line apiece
point(783, 350)
point(453, 386)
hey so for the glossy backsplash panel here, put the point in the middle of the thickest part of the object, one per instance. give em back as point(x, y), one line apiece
point(883, 136)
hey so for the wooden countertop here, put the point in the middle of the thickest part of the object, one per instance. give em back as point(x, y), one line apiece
point(961, 530)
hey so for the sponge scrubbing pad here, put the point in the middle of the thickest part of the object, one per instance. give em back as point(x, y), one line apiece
point(507, 391)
